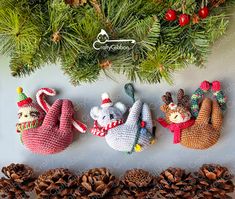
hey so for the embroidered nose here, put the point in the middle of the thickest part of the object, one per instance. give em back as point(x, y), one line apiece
point(111, 116)
point(26, 116)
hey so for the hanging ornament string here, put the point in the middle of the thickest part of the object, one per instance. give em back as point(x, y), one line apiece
point(130, 91)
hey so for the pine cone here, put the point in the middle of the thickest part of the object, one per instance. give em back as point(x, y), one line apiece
point(138, 183)
point(56, 183)
point(97, 183)
point(176, 183)
point(9, 189)
point(22, 175)
point(214, 181)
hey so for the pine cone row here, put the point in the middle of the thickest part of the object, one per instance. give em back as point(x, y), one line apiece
point(138, 183)
point(97, 183)
point(21, 175)
point(214, 181)
point(210, 182)
point(10, 190)
point(176, 183)
point(56, 183)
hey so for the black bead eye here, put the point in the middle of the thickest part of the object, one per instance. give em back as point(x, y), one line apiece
point(19, 115)
point(34, 114)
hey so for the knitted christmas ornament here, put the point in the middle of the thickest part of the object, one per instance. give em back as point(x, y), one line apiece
point(135, 134)
point(45, 129)
point(30, 114)
point(203, 131)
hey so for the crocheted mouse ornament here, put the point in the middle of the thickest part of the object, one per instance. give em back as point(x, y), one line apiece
point(45, 129)
point(202, 131)
point(133, 135)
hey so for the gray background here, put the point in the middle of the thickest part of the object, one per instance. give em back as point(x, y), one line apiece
point(88, 151)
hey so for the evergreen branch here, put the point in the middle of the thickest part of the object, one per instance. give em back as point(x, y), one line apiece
point(147, 32)
point(215, 26)
point(124, 64)
point(83, 69)
point(24, 64)
point(160, 64)
point(48, 31)
point(17, 33)
point(194, 46)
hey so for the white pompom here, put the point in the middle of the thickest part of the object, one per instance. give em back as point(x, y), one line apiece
point(105, 96)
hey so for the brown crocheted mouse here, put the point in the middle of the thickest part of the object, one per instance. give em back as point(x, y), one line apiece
point(201, 132)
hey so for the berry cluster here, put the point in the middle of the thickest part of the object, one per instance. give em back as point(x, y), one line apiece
point(184, 19)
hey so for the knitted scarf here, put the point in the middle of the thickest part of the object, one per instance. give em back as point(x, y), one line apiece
point(176, 128)
point(102, 131)
point(20, 127)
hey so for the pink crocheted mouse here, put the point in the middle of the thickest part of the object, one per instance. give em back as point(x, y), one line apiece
point(45, 129)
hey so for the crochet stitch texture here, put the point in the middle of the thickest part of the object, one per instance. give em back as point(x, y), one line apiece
point(206, 130)
point(124, 137)
point(55, 134)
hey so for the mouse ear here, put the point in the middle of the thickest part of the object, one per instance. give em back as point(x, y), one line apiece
point(122, 107)
point(95, 112)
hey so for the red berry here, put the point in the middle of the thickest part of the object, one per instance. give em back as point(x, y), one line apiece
point(143, 124)
point(170, 15)
point(184, 19)
point(203, 12)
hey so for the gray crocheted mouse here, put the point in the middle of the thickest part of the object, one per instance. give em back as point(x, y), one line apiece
point(133, 135)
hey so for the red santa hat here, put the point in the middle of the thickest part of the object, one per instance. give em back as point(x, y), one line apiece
point(106, 101)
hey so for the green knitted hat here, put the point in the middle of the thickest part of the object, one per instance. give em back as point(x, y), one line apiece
point(22, 98)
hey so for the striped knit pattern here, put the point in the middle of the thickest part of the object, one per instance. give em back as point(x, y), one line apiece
point(197, 95)
point(29, 125)
point(55, 134)
point(101, 132)
point(220, 97)
point(200, 92)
